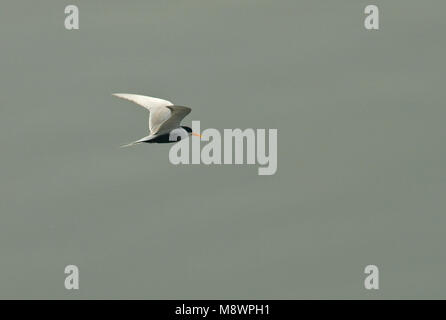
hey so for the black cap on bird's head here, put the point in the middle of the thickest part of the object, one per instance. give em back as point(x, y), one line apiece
point(188, 129)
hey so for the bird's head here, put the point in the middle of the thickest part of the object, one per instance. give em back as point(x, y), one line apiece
point(181, 133)
point(190, 132)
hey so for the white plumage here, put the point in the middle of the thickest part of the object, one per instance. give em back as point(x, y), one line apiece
point(164, 116)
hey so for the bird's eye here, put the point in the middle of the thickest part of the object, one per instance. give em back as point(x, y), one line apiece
point(178, 138)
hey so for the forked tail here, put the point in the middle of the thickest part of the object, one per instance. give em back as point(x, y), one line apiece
point(147, 138)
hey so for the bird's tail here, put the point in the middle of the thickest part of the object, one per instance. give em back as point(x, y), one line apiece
point(130, 144)
point(147, 138)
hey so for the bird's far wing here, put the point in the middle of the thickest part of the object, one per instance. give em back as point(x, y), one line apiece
point(177, 114)
point(144, 101)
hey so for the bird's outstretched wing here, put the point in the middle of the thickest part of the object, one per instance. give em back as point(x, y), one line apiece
point(177, 114)
point(159, 111)
point(144, 101)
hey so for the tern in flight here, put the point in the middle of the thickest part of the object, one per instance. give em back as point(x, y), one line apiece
point(164, 119)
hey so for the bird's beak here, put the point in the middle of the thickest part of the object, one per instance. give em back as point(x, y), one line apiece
point(196, 134)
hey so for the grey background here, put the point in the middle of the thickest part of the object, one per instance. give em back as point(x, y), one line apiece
point(361, 175)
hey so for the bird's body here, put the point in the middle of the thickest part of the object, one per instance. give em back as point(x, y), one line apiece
point(165, 118)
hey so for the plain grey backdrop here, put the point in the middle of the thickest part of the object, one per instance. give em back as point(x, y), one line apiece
point(361, 150)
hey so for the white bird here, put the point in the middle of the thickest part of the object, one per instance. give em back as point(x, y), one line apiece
point(164, 118)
